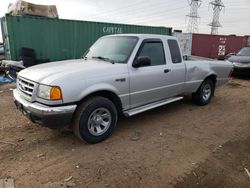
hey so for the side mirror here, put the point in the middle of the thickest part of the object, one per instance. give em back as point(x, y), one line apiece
point(185, 57)
point(142, 61)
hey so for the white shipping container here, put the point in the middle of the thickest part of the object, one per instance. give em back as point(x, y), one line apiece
point(185, 41)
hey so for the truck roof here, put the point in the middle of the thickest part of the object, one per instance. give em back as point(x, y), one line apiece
point(144, 36)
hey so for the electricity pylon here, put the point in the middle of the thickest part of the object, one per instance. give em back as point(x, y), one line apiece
point(193, 16)
point(217, 6)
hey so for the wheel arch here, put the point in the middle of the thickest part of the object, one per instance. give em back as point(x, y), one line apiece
point(212, 77)
point(111, 95)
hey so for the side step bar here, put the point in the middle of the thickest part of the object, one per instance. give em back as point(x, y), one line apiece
point(150, 106)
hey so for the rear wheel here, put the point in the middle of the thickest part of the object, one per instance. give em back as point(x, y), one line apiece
point(205, 93)
point(95, 119)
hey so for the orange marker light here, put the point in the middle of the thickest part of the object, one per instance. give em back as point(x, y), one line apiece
point(55, 93)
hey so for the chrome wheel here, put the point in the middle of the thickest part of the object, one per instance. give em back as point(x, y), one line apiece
point(99, 121)
point(207, 91)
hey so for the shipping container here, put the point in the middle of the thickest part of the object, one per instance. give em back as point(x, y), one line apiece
point(248, 40)
point(216, 46)
point(185, 41)
point(59, 39)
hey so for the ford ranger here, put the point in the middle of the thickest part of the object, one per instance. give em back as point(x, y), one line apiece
point(119, 75)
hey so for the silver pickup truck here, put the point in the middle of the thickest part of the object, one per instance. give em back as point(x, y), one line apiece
point(120, 74)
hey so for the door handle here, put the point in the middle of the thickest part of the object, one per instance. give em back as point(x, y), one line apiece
point(167, 70)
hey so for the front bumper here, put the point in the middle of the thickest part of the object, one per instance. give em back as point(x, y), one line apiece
point(52, 117)
point(241, 71)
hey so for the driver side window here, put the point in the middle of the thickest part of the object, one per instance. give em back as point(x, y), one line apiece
point(155, 51)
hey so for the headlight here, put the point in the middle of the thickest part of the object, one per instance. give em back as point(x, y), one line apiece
point(49, 92)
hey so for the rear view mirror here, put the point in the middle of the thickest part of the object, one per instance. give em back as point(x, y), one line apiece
point(142, 61)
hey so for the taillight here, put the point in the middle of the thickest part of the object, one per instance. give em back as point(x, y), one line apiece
point(231, 72)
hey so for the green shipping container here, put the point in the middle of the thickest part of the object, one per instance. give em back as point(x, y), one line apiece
point(59, 39)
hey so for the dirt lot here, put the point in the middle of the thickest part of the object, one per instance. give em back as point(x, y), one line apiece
point(178, 145)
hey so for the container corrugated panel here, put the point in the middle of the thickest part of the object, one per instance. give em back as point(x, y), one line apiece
point(216, 46)
point(59, 39)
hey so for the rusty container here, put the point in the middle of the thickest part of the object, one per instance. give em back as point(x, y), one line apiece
point(217, 46)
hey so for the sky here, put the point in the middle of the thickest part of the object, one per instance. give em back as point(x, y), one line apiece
point(235, 18)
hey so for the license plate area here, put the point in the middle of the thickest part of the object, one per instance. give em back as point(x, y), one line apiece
point(21, 109)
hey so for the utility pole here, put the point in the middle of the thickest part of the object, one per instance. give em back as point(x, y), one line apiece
point(217, 6)
point(193, 16)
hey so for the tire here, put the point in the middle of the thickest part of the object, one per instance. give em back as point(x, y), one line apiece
point(205, 93)
point(95, 120)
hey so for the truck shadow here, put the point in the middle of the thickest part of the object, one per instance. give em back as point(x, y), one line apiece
point(246, 78)
point(128, 125)
point(140, 120)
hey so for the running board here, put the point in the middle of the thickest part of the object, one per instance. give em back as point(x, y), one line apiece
point(150, 106)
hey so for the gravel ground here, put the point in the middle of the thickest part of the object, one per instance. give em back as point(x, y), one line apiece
point(178, 145)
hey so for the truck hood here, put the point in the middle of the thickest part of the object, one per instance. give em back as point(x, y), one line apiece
point(80, 69)
point(240, 59)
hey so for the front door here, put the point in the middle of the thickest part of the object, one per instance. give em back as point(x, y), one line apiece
point(149, 83)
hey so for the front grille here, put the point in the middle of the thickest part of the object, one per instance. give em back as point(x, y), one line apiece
point(26, 87)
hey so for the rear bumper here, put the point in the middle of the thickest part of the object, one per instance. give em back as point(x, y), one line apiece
point(52, 117)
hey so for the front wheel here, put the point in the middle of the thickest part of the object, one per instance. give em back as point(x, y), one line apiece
point(205, 93)
point(95, 119)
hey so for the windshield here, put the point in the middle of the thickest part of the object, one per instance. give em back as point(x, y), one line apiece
point(116, 49)
point(244, 51)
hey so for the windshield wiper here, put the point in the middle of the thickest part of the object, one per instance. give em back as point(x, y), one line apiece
point(104, 59)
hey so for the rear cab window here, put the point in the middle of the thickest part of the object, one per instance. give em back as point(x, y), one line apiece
point(174, 51)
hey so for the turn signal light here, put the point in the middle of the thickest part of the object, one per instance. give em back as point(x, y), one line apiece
point(55, 93)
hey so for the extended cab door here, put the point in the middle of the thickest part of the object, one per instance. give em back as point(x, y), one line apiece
point(177, 67)
point(162, 79)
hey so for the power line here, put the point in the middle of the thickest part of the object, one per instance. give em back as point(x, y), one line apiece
point(123, 8)
point(134, 9)
point(137, 15)
point(155, 13)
